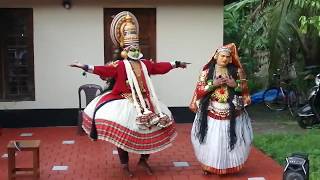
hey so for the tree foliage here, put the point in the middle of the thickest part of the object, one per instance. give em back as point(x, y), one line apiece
point(273, 26)
point(312, 18)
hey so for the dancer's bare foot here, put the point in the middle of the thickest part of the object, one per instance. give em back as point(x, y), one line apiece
point(145, 166)
point(126, 170)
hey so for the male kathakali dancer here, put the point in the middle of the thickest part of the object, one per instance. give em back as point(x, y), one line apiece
point(221, 133)
point(130, 116)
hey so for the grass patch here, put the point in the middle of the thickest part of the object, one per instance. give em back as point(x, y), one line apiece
point(262, 113)
point(279, 146)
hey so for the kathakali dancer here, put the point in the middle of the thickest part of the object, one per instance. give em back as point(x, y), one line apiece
point(221, 133)
point(130, 116)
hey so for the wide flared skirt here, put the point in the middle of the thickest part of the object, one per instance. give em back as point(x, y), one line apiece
point(116, 123)
point(214, 153)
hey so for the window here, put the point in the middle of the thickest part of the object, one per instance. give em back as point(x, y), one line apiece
point(147, 31)
point(16, 55)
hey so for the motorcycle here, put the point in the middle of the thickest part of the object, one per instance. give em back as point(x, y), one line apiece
point(309, 114)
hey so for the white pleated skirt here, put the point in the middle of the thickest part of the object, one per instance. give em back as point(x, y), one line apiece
point(214, 153)
point(116, 123)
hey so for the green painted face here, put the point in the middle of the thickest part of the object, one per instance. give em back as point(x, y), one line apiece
point(134, 53)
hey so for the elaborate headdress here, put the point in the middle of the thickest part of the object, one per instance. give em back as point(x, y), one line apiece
point(234, 54)
point(232, 49)
point(124, 33)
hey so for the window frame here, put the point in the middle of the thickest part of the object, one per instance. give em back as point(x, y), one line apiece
point(22, 72)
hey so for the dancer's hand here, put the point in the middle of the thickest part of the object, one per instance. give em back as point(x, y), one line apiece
point(193, 107)
point(229, 81)
point(77, 64)
point(181, 64)
point(184, 64)
point(218, 81)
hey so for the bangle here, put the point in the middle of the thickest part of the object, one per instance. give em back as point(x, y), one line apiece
point(178, 63)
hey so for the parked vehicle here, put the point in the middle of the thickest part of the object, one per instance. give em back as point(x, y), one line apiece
point(309, 114)
point(281, 95)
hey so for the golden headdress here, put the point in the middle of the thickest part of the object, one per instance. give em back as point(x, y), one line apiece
point(124, 32)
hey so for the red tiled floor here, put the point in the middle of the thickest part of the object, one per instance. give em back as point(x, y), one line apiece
point(89, 160)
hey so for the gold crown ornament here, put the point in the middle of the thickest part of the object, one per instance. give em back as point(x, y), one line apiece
point(124, 33)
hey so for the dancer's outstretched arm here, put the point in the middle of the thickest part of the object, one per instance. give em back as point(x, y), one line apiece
point(163, 67)
point(103, 71)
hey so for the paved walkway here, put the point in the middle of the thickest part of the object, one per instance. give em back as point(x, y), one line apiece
point(96, 160)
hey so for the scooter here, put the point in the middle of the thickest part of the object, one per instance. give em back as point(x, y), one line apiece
point(309, 114)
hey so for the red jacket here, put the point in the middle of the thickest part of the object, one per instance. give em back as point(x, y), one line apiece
point(118, 72)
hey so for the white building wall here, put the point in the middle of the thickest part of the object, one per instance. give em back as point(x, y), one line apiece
point(189, 33)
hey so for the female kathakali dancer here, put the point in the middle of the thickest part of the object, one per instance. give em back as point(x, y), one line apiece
point(221, 133)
